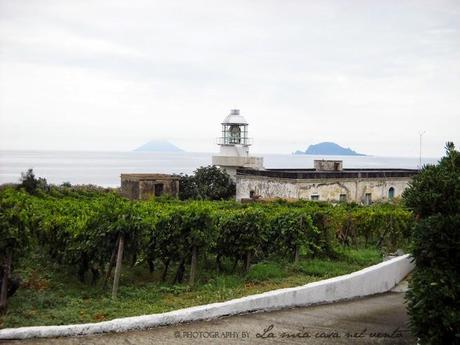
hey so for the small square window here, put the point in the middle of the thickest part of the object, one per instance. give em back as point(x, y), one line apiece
point(315, 197)
point(343, 197)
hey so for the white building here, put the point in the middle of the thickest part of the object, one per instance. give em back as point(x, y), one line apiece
point(321, 183)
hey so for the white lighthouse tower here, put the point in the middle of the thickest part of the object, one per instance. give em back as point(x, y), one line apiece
point(234, 145)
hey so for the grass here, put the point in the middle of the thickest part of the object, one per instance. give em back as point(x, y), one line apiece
point(51, 296)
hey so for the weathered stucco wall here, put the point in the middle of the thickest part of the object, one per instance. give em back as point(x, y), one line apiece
point(326, 189)
point(146, 186)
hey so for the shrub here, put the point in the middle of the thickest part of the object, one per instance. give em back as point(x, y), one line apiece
point(15, 237)
point(434, 294)
point(241, 234)
point(207, 183)
point(291, 230)
point(31, 184)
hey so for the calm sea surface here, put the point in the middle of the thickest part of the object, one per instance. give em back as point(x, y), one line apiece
point(104, 168)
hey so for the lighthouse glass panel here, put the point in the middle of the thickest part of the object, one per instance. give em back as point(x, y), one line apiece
point(234, 134)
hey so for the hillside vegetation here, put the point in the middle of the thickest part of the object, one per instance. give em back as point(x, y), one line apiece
point(63, 244)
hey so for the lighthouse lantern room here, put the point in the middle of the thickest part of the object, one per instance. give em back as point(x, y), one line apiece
point(234, 145)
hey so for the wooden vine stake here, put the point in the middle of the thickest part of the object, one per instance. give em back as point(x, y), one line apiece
point(111, 264)
point(4, 288)
point(247, 261)
point(116, 278)
point(296, 254)
point(297, 248)
point(193, 266)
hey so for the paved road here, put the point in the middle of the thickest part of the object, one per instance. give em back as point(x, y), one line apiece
point(354, 322)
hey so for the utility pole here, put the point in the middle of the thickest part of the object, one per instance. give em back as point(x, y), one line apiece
point(420, 152)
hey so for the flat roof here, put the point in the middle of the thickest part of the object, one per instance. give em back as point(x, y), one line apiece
point(143, 176)
point(315, 174)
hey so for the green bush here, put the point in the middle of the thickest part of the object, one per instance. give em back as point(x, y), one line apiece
point(291, 231)
point(207, 183)
point(434, 294)
point(241, 233)
point(434, 303)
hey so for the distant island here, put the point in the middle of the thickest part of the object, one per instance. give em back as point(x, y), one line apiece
point(158, 146)
point(328, 148)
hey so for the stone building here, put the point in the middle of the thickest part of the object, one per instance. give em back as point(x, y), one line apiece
point(146, 186)
point(328, 181)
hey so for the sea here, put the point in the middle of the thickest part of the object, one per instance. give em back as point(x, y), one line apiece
point(104, 168)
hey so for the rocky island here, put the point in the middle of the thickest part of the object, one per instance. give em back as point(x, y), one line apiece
point(328, 148)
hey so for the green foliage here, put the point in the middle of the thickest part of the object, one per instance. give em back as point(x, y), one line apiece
point(207, 183)
point(434, 295)
point(326, 267)
point(50, 295)
point(188, 188)
point(31, 184)
point(360, 256)
point(436, 189)
point(87, 191)
point(78, 229)
point(15, 221)
point(384, 225)
point(433, 300)
point(241, 232)
point(290, 230)
point(264, 271)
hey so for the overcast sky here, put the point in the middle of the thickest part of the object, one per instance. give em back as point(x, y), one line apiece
point(111, 75)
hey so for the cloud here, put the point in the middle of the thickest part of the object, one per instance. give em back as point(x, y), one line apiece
point(112, 74)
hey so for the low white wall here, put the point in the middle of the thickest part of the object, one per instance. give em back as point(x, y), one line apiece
point(372, 280)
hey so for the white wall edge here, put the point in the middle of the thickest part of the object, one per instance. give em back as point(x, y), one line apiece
point(369, 281)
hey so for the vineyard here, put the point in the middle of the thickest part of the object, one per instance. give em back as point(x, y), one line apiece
point(100, 239)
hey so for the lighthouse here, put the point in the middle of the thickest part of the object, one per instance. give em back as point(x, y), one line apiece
point(234, 145)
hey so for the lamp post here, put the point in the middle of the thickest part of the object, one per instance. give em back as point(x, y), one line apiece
point(420, 151)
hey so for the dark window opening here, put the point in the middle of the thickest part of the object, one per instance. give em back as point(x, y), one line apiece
point(391, 193)
point(315, 197)
point(343, 197)
point(368, 199)
point(252, 194)
point(159, 189)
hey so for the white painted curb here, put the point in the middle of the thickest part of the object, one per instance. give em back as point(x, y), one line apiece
point(372, 280)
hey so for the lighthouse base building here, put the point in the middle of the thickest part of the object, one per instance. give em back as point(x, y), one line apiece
point(346, 185)
point(326, 181)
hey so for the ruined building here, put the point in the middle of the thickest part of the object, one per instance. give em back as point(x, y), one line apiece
point(147, 186)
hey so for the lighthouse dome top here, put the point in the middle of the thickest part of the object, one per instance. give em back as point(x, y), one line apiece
point(235, 118)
